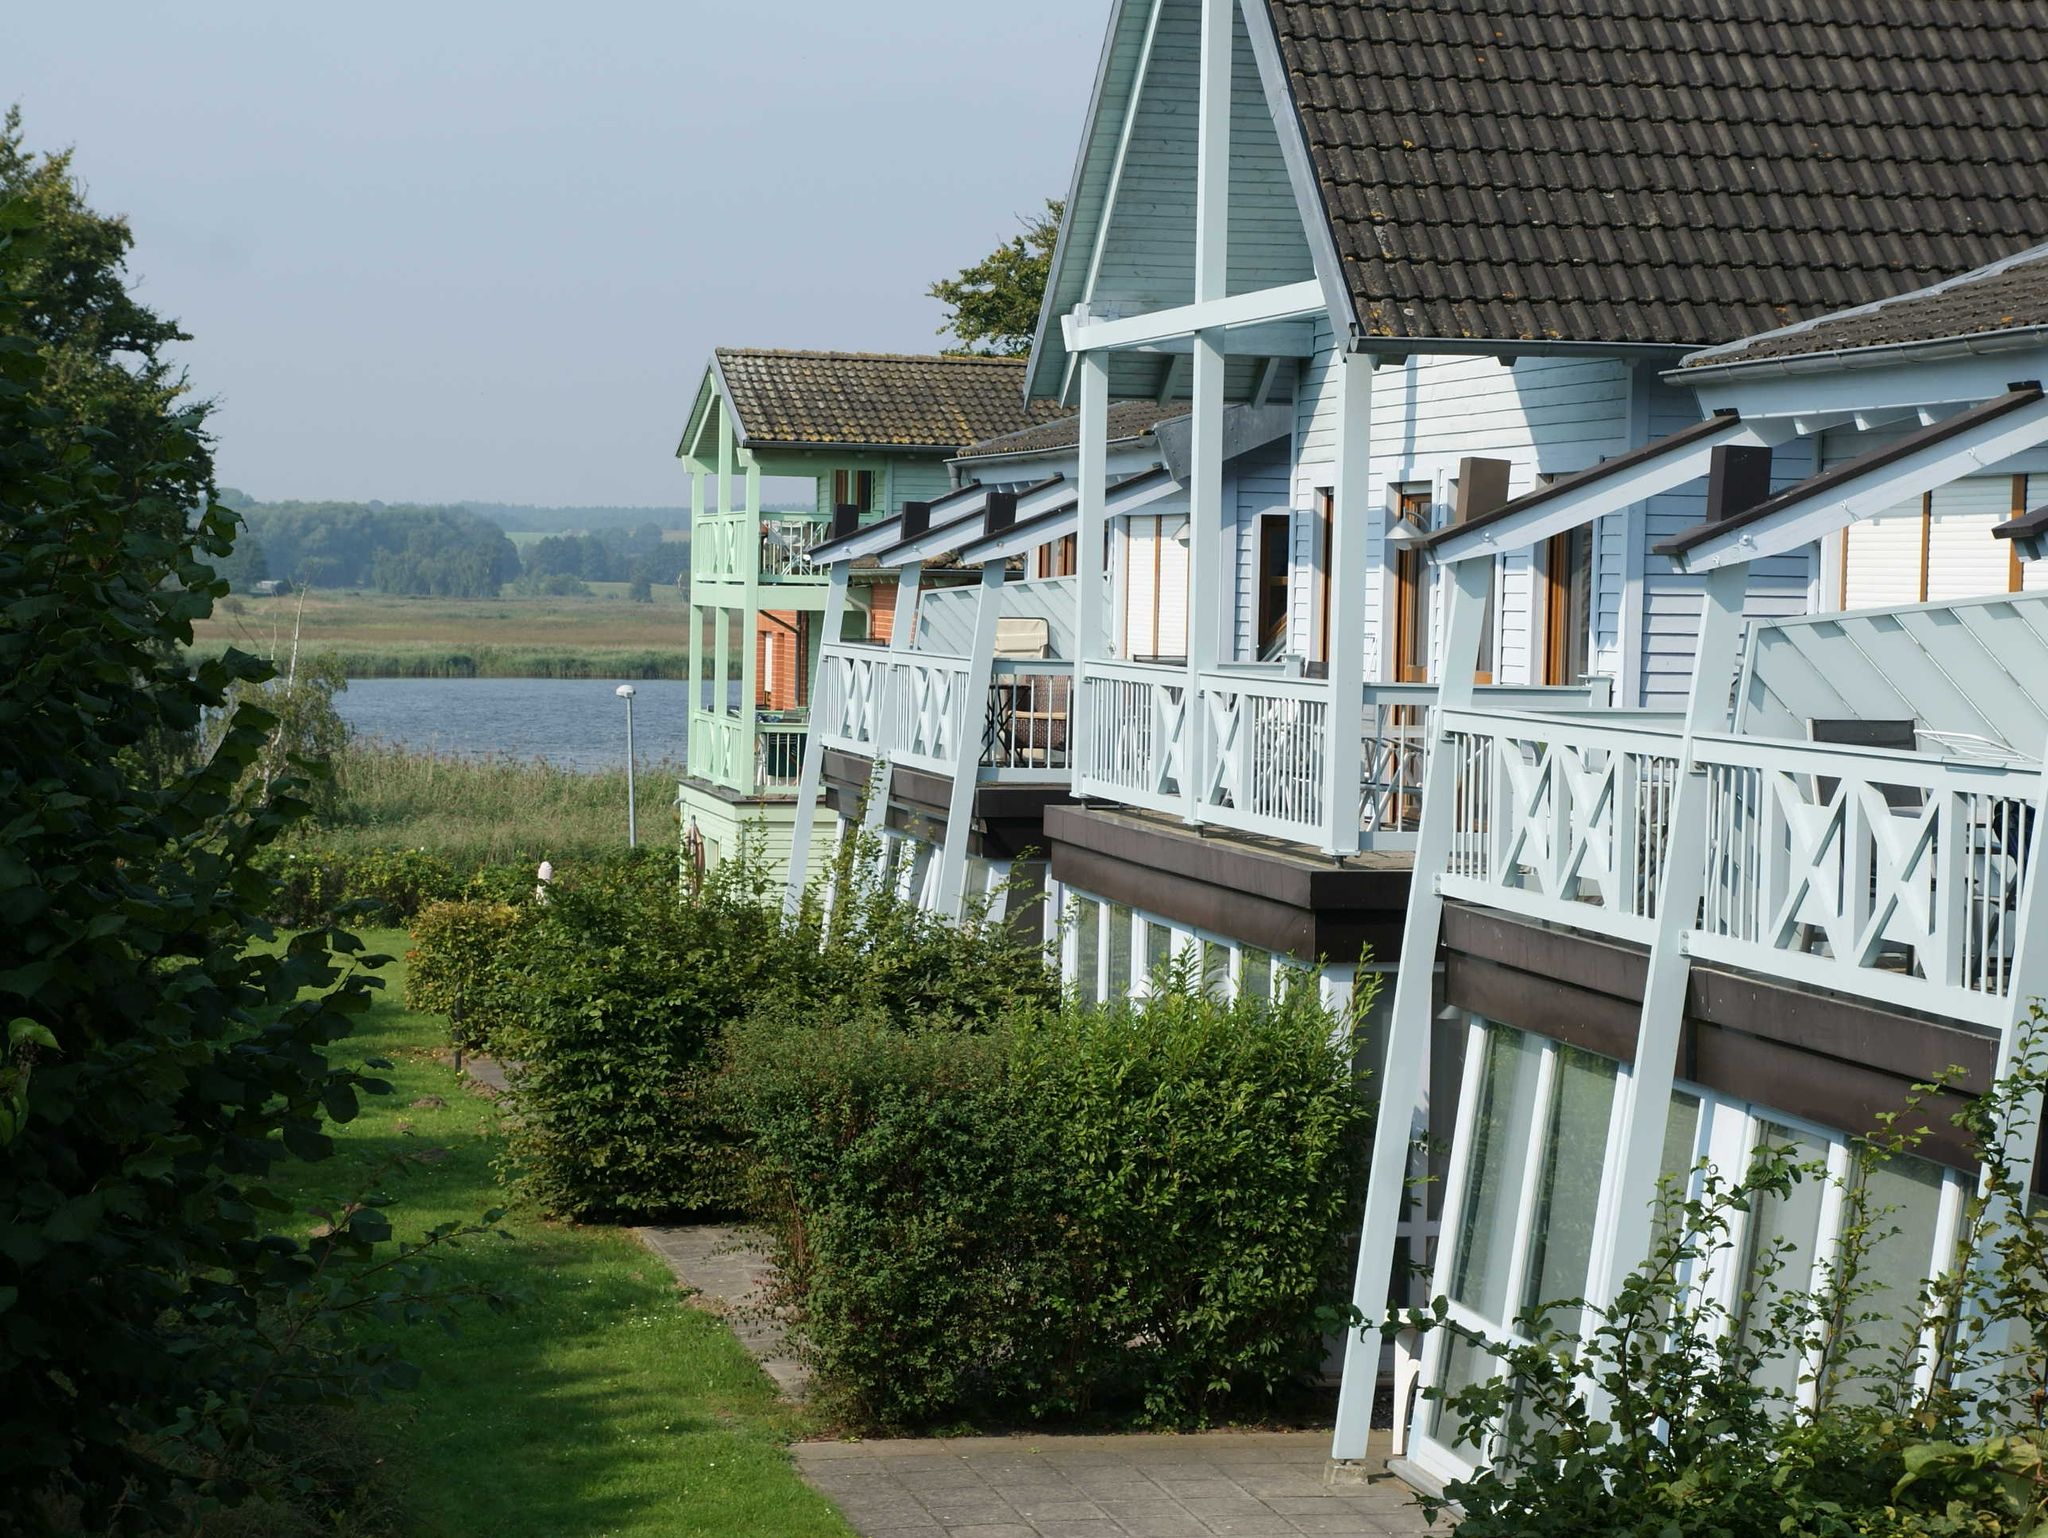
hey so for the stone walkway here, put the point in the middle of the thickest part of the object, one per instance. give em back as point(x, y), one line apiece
point(1219, 1484)
point(1243, 1484)
point(727, 1272)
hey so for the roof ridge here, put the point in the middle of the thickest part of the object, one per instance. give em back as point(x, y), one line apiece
point(873, 357)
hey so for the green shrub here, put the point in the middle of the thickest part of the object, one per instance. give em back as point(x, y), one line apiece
point(380, 886)
point(1140, 1209)
point(625, 990)
point(463, 964)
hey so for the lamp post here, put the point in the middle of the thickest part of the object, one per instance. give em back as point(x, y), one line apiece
point(625, 692)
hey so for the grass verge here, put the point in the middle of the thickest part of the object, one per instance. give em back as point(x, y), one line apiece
point(377, 635)
point(606, 1405)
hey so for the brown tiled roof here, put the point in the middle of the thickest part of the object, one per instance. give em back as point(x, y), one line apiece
point(1127, 419)
point(2006, 297)
point(886, 400)
point(1663, 171)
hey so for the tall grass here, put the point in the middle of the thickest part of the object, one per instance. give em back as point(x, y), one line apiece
point(489, 811)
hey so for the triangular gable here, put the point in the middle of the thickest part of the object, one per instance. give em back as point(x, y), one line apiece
point(1127, 242)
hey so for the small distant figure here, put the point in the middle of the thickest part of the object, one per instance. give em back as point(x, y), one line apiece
point(546, 874)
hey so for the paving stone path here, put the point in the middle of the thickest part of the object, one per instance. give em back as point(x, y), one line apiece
point(1220, 1484)
point(1244, 1484)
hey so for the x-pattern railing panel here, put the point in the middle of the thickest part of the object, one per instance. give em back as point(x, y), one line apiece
point(1559, 818)
point(1890, 874)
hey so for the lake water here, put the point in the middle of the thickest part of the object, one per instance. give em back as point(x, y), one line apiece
point(573, 723)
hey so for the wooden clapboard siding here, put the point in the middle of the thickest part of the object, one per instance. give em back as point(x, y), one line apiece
point(914, 481)
point(1148, 244)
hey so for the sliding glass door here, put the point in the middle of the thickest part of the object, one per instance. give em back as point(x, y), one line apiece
point(1524, 1218)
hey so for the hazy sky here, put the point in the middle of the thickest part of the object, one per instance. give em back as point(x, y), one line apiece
point(454, 250)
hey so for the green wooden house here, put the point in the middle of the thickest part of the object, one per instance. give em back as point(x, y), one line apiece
point(870, 432)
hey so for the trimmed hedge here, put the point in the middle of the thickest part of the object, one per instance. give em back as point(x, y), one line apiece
point(1142, 1209)
point(617, 994)
point(463, 964)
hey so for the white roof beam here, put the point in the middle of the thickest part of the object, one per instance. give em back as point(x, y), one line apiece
point(1290, 301)
point(1605, 488)
point(1963, 445)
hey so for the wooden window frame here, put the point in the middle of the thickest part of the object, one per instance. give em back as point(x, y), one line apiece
point(1270, 581)
point(1557, 570)
point(1411, 591)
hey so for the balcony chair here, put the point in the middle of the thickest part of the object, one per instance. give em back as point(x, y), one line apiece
point(1027, 714)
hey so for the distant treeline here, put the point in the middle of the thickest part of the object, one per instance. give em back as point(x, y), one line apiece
point(517, 519)
point(442, 552)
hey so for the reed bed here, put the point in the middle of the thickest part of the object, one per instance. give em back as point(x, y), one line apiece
point(474, 812)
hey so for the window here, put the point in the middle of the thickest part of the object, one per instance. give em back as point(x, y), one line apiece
point(1275, 536)
point(1255, 973)
point(1155, 588)
point(1568, 605)
point(1056, 558)
point(1326, 549)
point(1215, 968)
point(1119, 951)
point(1523, 1216)
point(1158, 948)
point(1087, 948)
point(855, 487)
point(1935, 548)
point(1411, 591)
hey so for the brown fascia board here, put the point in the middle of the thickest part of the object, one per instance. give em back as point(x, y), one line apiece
point(2028, 523)
point(1720, 422)
point(1832, 480)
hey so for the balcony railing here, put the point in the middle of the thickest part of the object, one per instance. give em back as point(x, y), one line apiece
point(1264, 747)
point(1895, 876)
point(1024, 735)
point(911, 708)
point(1555, 817)
point(1890, 874)
point(771, 765)
point(786, 545)
point(779, 751)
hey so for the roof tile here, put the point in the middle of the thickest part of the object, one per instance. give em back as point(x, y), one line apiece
point(1497, 169)
point(886, 400)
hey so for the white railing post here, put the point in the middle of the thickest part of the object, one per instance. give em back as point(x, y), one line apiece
point(1089, 520)
point(1205, 448)
point(967, 737)
point(1387, 1195)
point(1346, 768)
point(814, 745)
point(886, 687)
point(1646, 1095)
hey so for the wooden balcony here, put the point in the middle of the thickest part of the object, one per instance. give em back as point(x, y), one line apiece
point(1891, 875)
point(767, 762)
point(1252, 753)
point(913, 707)
point(773, 548)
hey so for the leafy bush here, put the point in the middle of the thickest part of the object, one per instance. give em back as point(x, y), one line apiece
point(463, 965)
point(626, 988)
point(381, 886)
point(1141, 1208)
point(1658, 1419)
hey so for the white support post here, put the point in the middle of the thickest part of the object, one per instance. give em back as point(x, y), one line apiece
point(972, 713)
point(1205, 615)
point(902, 631)
point(1403, 1108)
point(1346, 662)
point(750, 654)
point(1205, 449)
point(1090, 520)
point(814, 748)
point(1646, 1100)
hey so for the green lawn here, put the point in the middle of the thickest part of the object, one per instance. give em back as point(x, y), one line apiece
point(606, 1405)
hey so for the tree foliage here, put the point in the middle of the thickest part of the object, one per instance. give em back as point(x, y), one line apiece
point(153, 1064)
point(992, 306)
point(102, 351)
point(442, 552)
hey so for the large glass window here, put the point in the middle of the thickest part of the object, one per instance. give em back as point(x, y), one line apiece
point(1568, 1198)
point(1087, 947)
point(1158, 948)
point(1783, 1244)
point(1119, 950)
point(1493, 1179)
